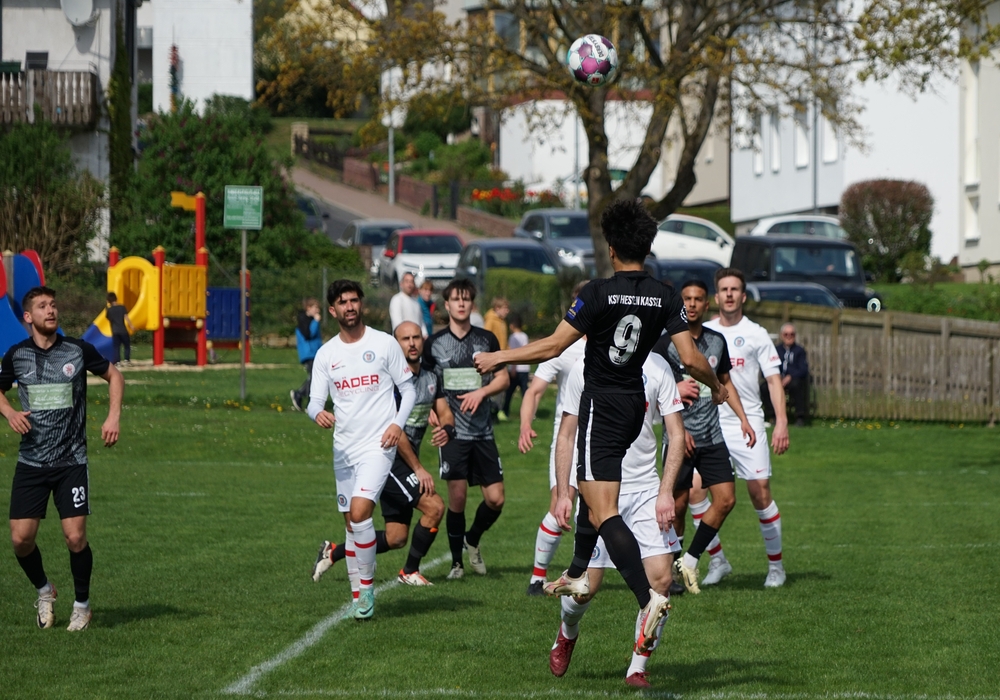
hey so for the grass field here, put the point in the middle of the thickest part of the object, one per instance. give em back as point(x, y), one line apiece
point(208, 514)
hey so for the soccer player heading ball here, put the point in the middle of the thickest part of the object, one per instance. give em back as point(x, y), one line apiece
point(622, 317)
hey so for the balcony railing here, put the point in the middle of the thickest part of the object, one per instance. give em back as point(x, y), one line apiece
point(65, 98)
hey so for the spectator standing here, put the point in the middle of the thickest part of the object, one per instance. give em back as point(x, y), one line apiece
point(518, 373)
point(427, 307)
point(794, 372)
point(121, 327)
point(404, 305)
point(308, 340)
point(476, 318)
point(495, 320)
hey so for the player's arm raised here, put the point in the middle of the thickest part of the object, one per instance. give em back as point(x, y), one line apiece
point(673, 425)
point(563, 510)
point(698, 366)
point(538, 351)
point(529, 404)
point(737, 406)
point(111, 430)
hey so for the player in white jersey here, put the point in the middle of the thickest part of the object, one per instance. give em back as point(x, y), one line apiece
point(645, 502)
point(752, 353)
point(358, 368)
point(549, 533)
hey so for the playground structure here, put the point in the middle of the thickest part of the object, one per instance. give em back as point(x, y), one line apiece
point(174, 301)
point(19, 273)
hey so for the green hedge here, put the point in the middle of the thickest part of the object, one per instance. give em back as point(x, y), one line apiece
point(979, 301)
point(539, 299)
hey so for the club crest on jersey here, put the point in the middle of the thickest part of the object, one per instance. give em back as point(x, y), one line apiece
point(69, 369)
point(369, 356)
point(739, 342)
point(342, 500)
point(575, 309)
point(713, 361)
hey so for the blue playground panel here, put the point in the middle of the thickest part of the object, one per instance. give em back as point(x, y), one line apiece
point(12, 331)
point(25, 277)
point(223, 306)
point(104, 343)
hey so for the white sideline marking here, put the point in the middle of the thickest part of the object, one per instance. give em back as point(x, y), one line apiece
point(528, 694)
point(244, 686)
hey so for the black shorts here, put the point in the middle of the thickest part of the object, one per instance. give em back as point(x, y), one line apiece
point(474, 460)
point(713, 465)
point(69, 486)
point(400, 494)
point(609, 424)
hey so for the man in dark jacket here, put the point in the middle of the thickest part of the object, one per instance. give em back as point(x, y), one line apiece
point(794, 372)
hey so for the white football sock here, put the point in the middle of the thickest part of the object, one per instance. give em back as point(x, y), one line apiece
point(364, 551)
point(770, 530)
point(715, 549)
point(639, 661)
point(572, 613)
point(47, 588)
point(352, 563)
point(546, 542)
point(698, 510)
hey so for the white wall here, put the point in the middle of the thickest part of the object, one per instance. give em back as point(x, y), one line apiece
point(215, 41)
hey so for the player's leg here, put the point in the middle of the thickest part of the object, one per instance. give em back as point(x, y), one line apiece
point(344, 474)
point(454, 459)
point(549, 533)
point(431, 507)
point(682, 491)
point(372, 471)
point(572, 610)
point(485, 471)
point(714, 472)
point(29, 497)
point(71, 495)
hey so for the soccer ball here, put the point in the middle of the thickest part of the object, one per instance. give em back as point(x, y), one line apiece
point(592, 59)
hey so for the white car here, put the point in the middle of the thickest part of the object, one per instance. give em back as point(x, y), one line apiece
point(801, 224)
point(429, 255)
point(682, 237)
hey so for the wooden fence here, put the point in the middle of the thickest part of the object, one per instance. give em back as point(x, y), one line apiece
point(893, 365)
point(66, 98)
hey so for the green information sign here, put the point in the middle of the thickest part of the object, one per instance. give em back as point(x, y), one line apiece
point(244, 207)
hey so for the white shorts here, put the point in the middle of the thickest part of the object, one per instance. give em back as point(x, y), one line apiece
point(638, 510)
point(361, 474)
point(750, 463)
point(552, 458)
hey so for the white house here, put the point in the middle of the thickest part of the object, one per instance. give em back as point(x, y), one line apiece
point(793, 164)
point(214, 42)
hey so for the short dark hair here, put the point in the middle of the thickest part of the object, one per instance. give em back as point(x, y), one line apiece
point(112, 297)
point(462, 285)
point(730, 272)
point(695, 283)
point(514, 320)
point(629, 229)
point(338, 287)
point(34, 293)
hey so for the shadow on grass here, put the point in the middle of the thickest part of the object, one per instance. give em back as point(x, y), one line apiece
point(706, 675)
point(753, 582)
point(410, 606)
point(113, 617)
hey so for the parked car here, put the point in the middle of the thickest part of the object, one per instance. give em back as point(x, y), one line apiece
point(315, 219)
point(481, 256)
point(427, 254)
point(371, 232)
point(677, 272)
point(795, 292)
point(565, 233)
point(802, 225)
point(787, 258)
point(683, 237)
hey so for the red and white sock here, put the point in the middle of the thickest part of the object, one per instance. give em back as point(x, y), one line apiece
point(715, 548)
point(364, 551)
point(352, 564)
point(572, 613)
point(770, 530)
point(639, 661)
point(698, 510)
point(546, 543)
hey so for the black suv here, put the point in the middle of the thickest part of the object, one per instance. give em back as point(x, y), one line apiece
point(565, 233)
point(783, 258)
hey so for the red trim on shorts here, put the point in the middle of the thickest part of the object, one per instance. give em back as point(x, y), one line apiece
point(774, 557)
point(367, 545)
point(539, 572)
point(547, 531)
point(771, 520)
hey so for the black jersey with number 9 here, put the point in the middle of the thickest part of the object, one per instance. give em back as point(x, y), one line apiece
point(623, 317)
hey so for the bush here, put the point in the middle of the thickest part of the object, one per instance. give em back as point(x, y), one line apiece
point(957, 300)
point(539, 299)
point(887, 219)
point(441, 113)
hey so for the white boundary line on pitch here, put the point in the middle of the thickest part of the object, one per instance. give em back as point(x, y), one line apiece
point(553, 692)
point(244, 686)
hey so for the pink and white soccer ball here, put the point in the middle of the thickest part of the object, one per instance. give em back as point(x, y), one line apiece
point(592, 59)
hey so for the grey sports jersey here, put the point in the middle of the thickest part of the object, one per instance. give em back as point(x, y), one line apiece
point(701, 418)
point(450, 358)
point(426, 385)
point(52, 384)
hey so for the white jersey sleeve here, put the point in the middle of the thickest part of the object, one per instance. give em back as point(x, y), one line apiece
point(319, 386)
point(574, 389)
point(548, 370)
point(767, 353)
point(668, 398)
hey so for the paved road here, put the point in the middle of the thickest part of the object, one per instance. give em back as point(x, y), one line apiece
point(339, 218)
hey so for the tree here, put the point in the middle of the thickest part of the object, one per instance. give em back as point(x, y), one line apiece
point(45, 204)
point(698, 62)
point(191, 153)
point(889, 221)
point(121, 157)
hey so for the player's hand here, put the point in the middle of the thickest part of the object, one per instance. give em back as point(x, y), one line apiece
point(485, 362)
point(18, 422)
point(751, 436)
point(665, 514)
point(524, 441)
point(439, 436)
point(325, 419)
point(471, 401)
point(109, 432)
point(433, 419)
point(688, 444)
point(563, 513)
point(390, 438)
point(425, 480)
point(779, 439)
point(720, 395)
point(689, 391)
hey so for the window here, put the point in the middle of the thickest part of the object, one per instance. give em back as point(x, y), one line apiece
point(569, 227)
point(775, 135)
point(972, 220)
point(347, 237)
point(831, 142)
point(801, 141)
point(531, 259)
point(805, 262)
point(758, 148)
point(374, 236)
point(431, 245)
point(758, 262)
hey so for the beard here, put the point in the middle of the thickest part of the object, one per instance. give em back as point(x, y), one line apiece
point(350, 323)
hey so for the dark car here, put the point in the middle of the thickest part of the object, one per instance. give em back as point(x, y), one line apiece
point(481, 256)
point(677, 272)
point(788, 258)
point(373, 233)
point(315, 219)
point(794, 292)
point(565, 233)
